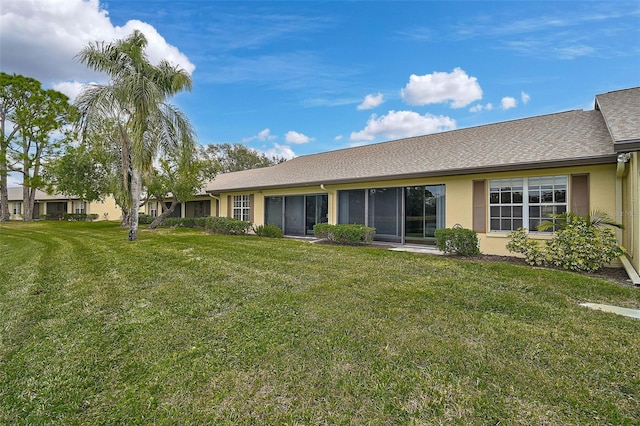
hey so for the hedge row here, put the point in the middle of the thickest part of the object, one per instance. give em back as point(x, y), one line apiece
point(226, 225)
point(345, 234)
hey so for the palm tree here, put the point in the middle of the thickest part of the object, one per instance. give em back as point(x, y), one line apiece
point(595, 219)
point(136, 100)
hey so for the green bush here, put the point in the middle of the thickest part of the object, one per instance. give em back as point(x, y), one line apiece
point(461, 241)
point(200, 222)
point(145, 219)
point(345, 234)
point(321, 230)
point(78, 217)
point(519, 242)
point(578, 246)
point(226, 225)
point(270, 231)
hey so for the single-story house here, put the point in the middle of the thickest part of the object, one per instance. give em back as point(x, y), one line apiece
point(55, 206)
point(493, 178)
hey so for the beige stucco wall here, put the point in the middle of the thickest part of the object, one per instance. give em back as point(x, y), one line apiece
point(106, 210)
point(629, 207)
point(459, 202)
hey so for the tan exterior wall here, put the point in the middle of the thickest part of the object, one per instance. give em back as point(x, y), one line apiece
point(459, 202)
point(106, 210)
point(628, 210)
point(108, 207)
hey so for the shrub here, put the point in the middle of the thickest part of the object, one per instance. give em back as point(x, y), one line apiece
point(461, 241)
point(519, 242)
point(580, 247)
point(200, 222)
point(226, 225)
point(345, 234)
point(76, 217)
point(145, 219)
point(321, 230)
point(270, 231)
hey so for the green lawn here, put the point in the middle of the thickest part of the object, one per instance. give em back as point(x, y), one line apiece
point(186, 328)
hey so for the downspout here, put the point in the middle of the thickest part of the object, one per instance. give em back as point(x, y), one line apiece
point(621, 172)
point(329, 203)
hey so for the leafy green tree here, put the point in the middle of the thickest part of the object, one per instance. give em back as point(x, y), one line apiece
point(136, 101)
point(33, 130)
point(180, 175)
point(237, 157)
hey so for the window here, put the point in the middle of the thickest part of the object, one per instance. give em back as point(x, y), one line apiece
point(241, 207)
point(547, 196)
point(78, 207)
point(517, 203)
point(153, 208)
point(17, 208)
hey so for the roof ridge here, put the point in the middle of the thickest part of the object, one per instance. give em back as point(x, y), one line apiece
point(432, 134)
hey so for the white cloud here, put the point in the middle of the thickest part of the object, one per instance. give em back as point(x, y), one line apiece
point(278, 150)
point(508, 102)
point(371, 101)
point(480, 107)
point(40, 38)
point(263, 135)
point(439, 87)
point(338, 138)
point(400, 124)
point(297, 138)
point(524, 97)
point(70, 88)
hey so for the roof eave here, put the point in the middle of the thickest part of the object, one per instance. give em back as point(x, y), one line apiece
point(627, 145)
point(586, 161)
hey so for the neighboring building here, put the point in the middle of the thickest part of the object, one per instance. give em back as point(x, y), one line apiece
point(493, 179)
point(54, 206)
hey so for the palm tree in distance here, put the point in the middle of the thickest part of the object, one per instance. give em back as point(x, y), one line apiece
point(136, 100)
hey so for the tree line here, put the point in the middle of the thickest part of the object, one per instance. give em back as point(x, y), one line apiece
point(123, 139)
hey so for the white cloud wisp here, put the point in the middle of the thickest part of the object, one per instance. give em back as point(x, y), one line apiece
point(402, 124)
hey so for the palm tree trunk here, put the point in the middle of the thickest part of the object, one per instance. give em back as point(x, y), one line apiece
point(136, 190)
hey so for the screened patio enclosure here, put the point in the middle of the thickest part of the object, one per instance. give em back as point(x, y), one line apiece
point(404, 215)
point(296, 214)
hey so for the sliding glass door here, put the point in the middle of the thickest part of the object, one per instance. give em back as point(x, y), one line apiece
point(424, 212)
point(410, 214)
point(385, 213)
point(296, 214)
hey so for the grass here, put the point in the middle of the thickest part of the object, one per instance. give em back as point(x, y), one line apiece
point(187, 328)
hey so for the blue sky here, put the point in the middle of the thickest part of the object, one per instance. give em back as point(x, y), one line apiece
point(294, 78)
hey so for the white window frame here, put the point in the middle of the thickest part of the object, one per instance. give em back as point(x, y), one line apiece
point(525, 185)
point(79, 207)
point(153, 208)
point(241, 208)
point(17, 208)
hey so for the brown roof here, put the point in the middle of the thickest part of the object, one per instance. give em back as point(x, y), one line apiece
point(621, 111)
point(567, 138)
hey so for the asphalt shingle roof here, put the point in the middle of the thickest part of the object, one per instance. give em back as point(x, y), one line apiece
point(621, 111)
point(15, 194)
point(572, 137)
